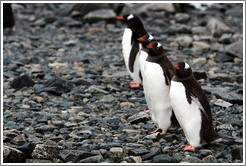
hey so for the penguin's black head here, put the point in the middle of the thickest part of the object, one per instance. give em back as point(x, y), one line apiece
point(146, 39)
point(155, 48)
point(183, 70)
point(132, 21)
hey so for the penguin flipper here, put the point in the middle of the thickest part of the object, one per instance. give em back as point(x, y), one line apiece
point(133, 54)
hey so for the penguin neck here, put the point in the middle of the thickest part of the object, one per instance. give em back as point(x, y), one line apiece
point(178, 79)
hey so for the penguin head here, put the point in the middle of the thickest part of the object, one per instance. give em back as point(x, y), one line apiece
point(155, 48)
point(183, 70)
point(132, 21)
point(146, 39)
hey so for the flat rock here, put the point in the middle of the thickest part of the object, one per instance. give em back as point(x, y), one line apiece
point(138, 117)
point(92, 159)
point(200, 45)
point(184, 41)
point(223, 103)
point(191, 159)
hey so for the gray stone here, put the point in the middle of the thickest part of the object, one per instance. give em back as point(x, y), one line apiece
point(235, 49)
point(99, 15)
point(191, 159)
point(205, 152)
point(154, 136)
point(138, 117)
point(38, 161)
point(226, 38)
point(70, 43)
point(164, 158)
point(47, 152)
point(225, 127)
point(12, 155)
point(106, 99)
point(74, 155)
point(223, 103)
point(184, 41)
point(217, 28)
point(138, 152)
point(199, 61)
point(182, 17)
point(179, 28)
point(200, 45)
point(116, 154)
point(208, 159)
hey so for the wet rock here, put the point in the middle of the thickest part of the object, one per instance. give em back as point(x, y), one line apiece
point(47, 152)
point(200, 45)
point(99, 15)
point(190, 159)
point(139, 117)
point(164, 158)
point(235, 49)
point(12, 155)
point(184, 41)
point(208, 159)
point(116, 154)
point(217, 28)
point(22, 81)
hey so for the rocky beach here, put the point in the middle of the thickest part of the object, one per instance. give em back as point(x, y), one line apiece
point(66, 94)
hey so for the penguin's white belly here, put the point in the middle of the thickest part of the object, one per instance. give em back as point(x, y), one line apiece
point(142, 59)
point(157, 94)
point(188, 115)
point(126, 50)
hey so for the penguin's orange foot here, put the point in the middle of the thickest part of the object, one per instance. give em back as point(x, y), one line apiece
point(133, 84)
point(151, 132)
point(163, 132)
point(146, 111)
point(188, 148)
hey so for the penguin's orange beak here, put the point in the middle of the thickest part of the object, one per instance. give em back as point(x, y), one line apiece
point(120, 18)
point(176, 67)
point(150, 47)
point(141, 39)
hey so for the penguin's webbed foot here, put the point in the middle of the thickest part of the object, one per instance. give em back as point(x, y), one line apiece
point(134, 84)
point(188, 148)
point(146, 111)
point(163, 132)
point(151, 132)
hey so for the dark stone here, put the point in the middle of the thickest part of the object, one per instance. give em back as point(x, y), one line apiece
point(164, 158)
point(22, 81)
point(56, 85)
point(237, 153)
point(138, 152)
point(12, 155)
point(74, 155)
point(82, 81)
point(150, 155)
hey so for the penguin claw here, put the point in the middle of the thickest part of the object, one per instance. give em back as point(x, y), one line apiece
point(187, 148)
point(146, 111)
point(133, 84)
point(151, 132)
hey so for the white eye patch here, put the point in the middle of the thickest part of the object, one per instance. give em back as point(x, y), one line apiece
point(130, 17)
point(187, 66)
point(159, 45)
point(151, 37)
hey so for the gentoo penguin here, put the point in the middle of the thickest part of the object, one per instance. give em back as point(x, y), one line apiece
point(131, 46)
point(157, 74)
point(8, 18)
point(191, 108)
point(144, 40)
